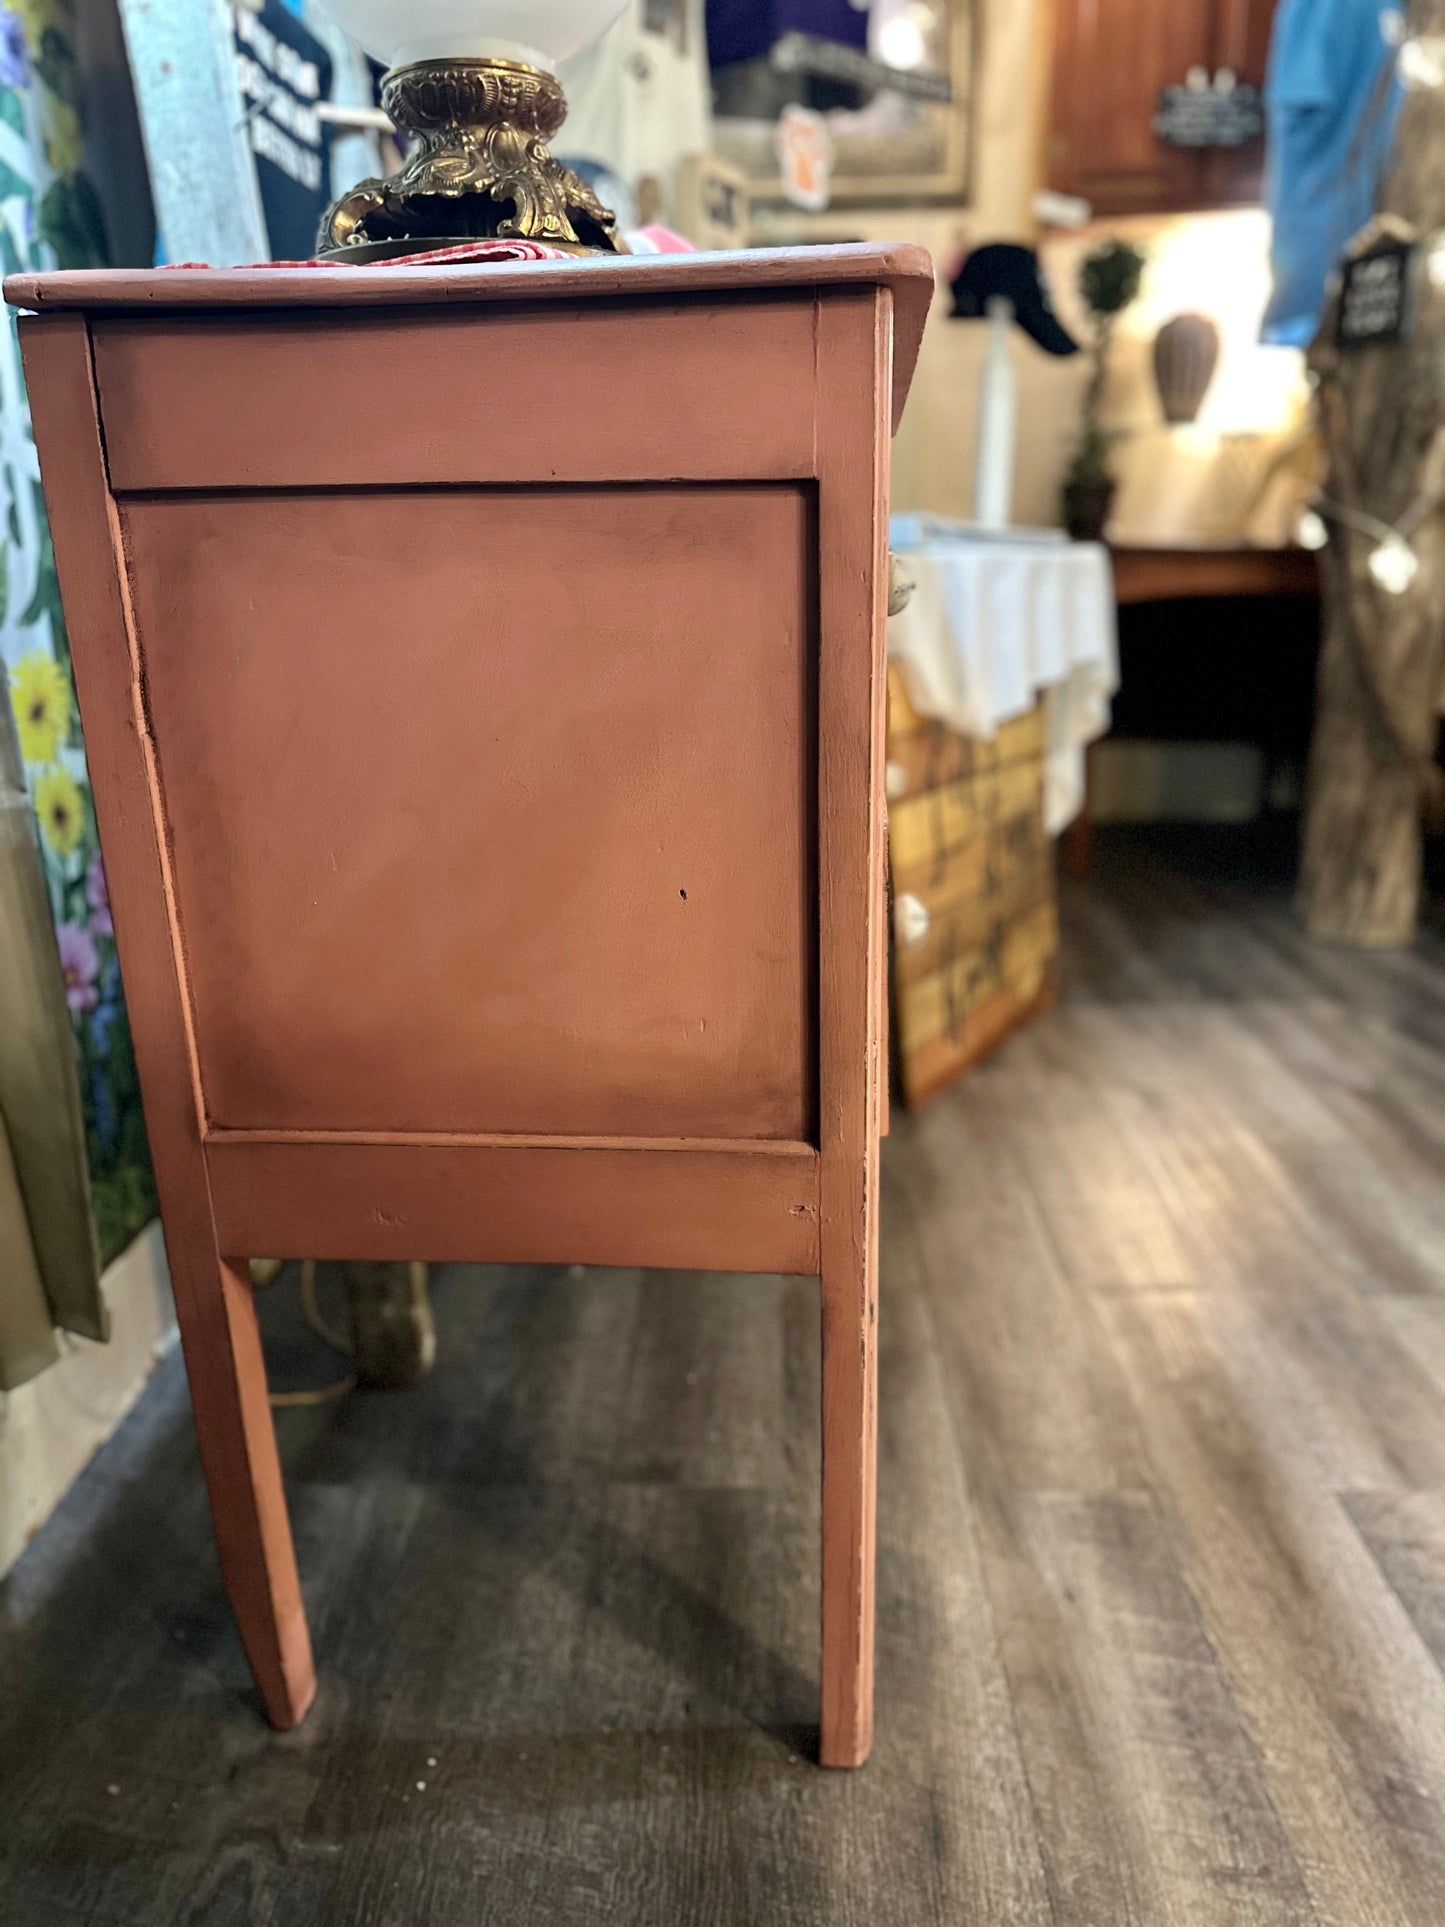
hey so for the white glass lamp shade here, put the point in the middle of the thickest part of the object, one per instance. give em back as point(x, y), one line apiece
point(539, 32)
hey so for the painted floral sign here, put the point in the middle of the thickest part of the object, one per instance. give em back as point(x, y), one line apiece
point(49, 217)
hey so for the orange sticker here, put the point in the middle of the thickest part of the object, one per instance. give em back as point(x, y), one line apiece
point(805, 153)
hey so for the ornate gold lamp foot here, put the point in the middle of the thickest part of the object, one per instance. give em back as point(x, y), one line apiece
point(481, 170)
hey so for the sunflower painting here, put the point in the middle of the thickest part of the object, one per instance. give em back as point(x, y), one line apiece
point(49, 217)
point(40, 695)
point(60, 807)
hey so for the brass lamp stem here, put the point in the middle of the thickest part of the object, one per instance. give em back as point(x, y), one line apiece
point(481, 169)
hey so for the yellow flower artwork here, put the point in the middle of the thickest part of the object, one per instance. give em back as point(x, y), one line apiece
point(50, 219)
point(36, 16)
point(40, 697)
point(64, 143)
point(61, 809)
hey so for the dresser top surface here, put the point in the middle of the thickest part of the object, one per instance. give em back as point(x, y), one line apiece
point(907, 270)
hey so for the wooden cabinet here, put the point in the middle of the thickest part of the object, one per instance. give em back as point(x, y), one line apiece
point(977, 952)
point(1113, 60)
point(482, 671)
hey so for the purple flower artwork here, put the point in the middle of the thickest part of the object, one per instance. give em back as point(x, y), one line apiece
point(14, 60)
point(98, 897)
point(79, 965)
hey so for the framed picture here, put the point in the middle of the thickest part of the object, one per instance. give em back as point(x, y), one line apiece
point(893, 82)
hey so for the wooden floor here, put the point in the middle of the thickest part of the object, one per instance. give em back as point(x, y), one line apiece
point(1162, 1566)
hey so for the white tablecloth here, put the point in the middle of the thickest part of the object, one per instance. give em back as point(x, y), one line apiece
point(996, 621)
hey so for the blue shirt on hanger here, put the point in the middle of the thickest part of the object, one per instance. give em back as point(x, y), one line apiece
point(1333, 101)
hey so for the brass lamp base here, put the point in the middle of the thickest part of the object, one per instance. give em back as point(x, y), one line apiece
point(482, 171)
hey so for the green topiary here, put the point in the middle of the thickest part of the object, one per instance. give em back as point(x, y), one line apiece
point(1109, 282)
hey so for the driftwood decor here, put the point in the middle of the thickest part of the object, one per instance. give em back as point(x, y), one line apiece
point(1373, 781)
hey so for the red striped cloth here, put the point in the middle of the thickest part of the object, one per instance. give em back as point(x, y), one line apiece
point(648, 240)
point(432, 257)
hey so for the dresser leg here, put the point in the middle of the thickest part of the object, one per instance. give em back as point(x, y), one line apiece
point(243, 1478)
point(850, 1458)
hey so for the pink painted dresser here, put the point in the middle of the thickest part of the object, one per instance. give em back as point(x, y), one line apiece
point(482, 675)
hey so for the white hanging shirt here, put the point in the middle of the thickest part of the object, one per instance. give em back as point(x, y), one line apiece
point(640, 100)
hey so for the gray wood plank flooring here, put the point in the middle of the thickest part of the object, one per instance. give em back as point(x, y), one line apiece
point(1161, 1605)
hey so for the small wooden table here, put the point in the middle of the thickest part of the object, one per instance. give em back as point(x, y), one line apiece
point(1175, 575)
point(482, 673)
point(1148, 574)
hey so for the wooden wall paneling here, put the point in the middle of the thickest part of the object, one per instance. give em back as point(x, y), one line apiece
point(1112, 60)
point(853, 331)
point(213, 1297)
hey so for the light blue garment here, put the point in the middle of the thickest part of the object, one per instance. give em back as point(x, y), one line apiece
point(1333, 101)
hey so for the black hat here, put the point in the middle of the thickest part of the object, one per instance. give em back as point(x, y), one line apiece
point(1003, 268)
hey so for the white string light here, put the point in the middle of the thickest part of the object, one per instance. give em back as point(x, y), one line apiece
point(1393, 563)
point(1310, 531)
point(1422, 60)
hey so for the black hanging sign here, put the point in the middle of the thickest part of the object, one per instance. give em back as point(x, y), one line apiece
point(1377, 294)
point(1223, 112)
point(284, 72)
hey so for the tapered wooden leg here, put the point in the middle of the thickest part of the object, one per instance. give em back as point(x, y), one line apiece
point(850, 1459)
point(213, 1296)
point(851, 437)
point(243, 1477)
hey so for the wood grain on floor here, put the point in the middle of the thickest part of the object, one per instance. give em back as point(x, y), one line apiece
point(1161, 1606)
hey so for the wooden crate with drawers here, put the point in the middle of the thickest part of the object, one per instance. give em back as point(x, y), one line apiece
point(976, 931)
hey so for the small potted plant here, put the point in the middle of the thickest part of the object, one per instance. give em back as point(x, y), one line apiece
point(1109, 282)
